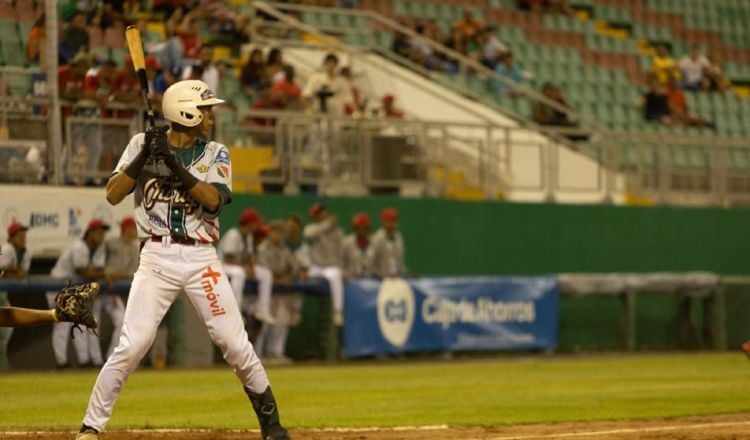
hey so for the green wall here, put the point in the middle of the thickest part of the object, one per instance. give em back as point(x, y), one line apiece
point(490, 238)
point(449, 237)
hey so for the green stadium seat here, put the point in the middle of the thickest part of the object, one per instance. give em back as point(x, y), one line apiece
point(20, 85)
point(13, 53)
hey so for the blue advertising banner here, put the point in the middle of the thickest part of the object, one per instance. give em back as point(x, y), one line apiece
point(466, 313)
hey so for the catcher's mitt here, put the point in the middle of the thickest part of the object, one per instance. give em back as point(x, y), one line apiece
point(76, 304)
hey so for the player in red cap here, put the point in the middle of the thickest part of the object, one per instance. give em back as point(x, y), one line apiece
point(237, 250)
point(356, 248)
point(82, 260)
point(324, 237)
point(121, 257)
point(16, 260)
point(388, 247)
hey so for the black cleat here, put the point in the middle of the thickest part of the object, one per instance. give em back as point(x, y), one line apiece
point(268, 415)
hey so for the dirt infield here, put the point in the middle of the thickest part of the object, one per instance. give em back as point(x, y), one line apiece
point(725, 427)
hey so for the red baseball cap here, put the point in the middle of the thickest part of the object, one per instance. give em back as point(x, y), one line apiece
point(389, 214)
point(250, 215)
point(97, 224)
point(15, 227)
point(316, 209)
point(152, 63)
point(127, 222)
point(361, 220)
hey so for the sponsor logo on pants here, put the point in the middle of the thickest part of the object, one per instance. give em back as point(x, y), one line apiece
point(210, 278)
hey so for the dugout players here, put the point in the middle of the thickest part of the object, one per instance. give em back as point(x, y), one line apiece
point(324, 237)
point(356, 252)
point(15, 261)
point(388, 247)
point(81, 260)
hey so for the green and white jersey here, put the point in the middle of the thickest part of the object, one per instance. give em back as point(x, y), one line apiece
point(162, 207)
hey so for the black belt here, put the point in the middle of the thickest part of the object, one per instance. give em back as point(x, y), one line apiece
point(186, 241)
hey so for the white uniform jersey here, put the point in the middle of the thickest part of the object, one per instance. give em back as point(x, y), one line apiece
point(78, 256)
point(163, 208)
point(233, 244)
point(9, 257)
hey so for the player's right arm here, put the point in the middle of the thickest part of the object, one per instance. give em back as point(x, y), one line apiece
point(122, 181)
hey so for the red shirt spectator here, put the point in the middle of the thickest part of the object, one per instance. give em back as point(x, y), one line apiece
point(677, 103)
point(70, 79)
point(468, 25)
point(389, 110)
point(285, 90)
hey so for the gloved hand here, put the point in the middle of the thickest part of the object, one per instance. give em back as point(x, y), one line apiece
point(158, 145)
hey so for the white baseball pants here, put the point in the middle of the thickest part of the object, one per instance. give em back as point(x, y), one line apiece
point(335, 280)
point(264, 276)
point(165, 270)
point(86, 352)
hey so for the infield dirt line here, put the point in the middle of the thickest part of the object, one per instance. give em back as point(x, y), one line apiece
point(240, 431)
point(623, 431)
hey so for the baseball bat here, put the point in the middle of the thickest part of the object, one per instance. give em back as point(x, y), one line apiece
point(133, 36)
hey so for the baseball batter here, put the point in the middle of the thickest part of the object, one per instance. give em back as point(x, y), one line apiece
point(181, 183)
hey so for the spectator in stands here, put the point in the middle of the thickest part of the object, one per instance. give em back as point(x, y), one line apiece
point(401, 45)
point(654, 103)
point(15, 262)
point(210, 73)
point(422, 52)
point(83, 260)
point(274, 254)
point(456, 41)
point(355, 260)
point(715, 80)
point(389, 110)
point(678, 108)
point(323, 238)
point(267, 99)
point(96, 92)
point(35, 46)
point(252, 73)
point(75, 37)
point(162, 82)
point(326, 91)
point(544, 114)
point(286, 91)
point(692, 67)
point(274, 68)
point(387, 251)
point(355, 102)
point(237, 250)
point(188, 33)
point(70, 79)
point(468, 26)
point(122, 257)
point(507, 69)
point(663, 65)
point(492, 48)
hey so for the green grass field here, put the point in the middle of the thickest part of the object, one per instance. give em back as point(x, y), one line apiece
point(493, 392)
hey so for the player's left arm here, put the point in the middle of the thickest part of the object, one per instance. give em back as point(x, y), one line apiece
point(17, 317)
point(218, 185)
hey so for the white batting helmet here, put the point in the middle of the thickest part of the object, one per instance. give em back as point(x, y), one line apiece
point(182, 99)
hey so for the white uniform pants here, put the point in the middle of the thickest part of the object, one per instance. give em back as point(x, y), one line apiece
point(86, 352)
point(335, 282)
point(272, 340)
point(165, 270)
point(114, 307)
point(264, 276)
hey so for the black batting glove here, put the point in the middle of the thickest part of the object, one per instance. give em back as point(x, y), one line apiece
point(136, 165)
point(160, 150)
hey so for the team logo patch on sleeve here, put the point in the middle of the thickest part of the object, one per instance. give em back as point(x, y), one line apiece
point(203, 169)
point(223, 157)
point(223, 170)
